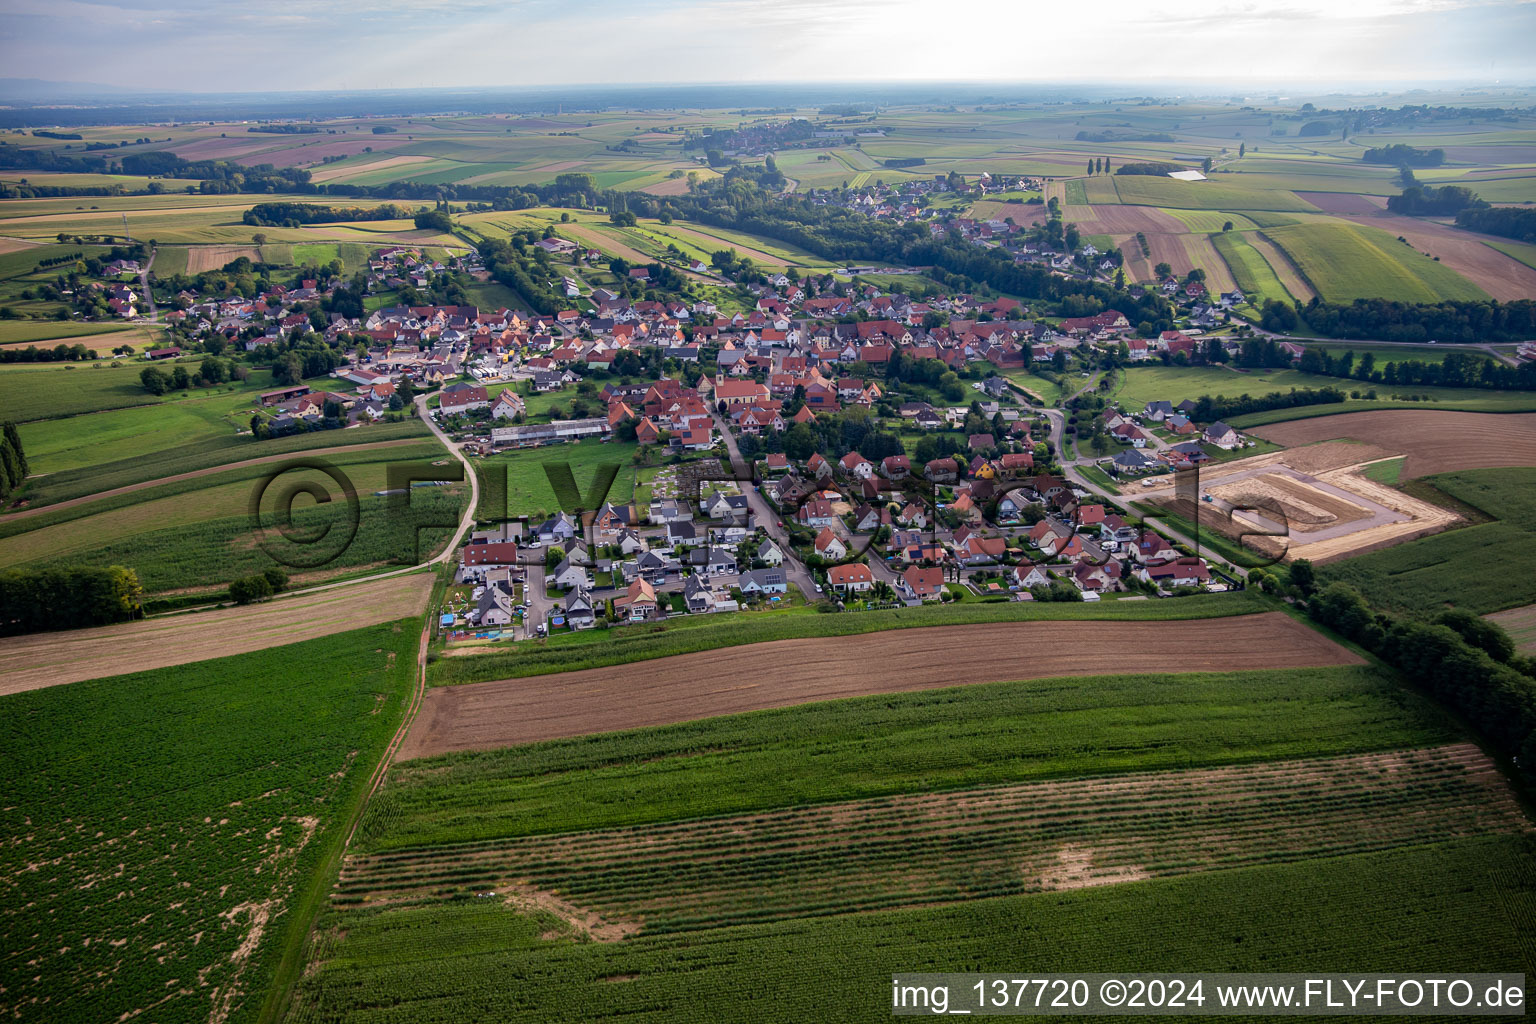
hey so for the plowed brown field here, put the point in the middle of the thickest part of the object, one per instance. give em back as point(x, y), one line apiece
point(480, 716)
point(49, 659)
point(1434, 442)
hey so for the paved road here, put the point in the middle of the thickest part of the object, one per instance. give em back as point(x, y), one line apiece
point(468, 519)
point(767, 517)
point(1069, 468)
point(149, 295)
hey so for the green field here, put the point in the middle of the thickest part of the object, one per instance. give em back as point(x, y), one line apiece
point(528, 492)
point(121, 518)
point(99, 336)
point(997, 733)
point(473, 959)
point(1388, 471)
point(1142, 384)
point(91, 438)
point(155, 463)
point(1423, 577)
point(1521, 251)
point(165, 830)
point(1250, 269)
point(1344, 262)
point(1147, 190)
point(42, 391)
point(203, 538)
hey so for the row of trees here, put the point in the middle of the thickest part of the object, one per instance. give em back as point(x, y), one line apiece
point(1457, 370)
point(1428, 201)
point(258, 587)
point(1509, 221)
point(211, 371)
point(294, 214)
point(60, 353)
point(1465, 661)
point(35, 600)
point(13, 460)
point(1220, 407)
point(1419, 322)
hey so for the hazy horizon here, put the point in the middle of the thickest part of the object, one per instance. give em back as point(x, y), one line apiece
point(201, 46)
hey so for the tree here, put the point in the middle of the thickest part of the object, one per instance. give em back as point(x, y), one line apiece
point(1479, 632)
point(1242, 150)
point(1227, 226)
point(799, 442)
point(13, 438)
point(247, 589)
point(1303, 576)
point(1163, 270)
point(1207, 164)
point(155, 382)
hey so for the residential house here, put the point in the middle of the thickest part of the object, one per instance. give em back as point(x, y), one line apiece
point(850, 579)
point(1179, 572)
point(1222, 436)
point(568, 575)
point(461, 398)
point(769, 553)
point(924, 584)
point(1027, 575)
point(508, 405)
point(829, 546)
point(639, 602)
point(580, 612)
point(763, 581)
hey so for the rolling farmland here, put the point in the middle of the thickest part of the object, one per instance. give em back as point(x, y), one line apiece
point(1344, 262)
point(757, 853)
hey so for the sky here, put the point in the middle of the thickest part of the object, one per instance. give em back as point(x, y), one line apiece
point(218, 46)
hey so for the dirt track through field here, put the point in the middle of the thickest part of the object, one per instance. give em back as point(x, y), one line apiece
point(480, 716)
point(209, 471)
point(50, 659)
point(1434, 442)
point(1284, 269)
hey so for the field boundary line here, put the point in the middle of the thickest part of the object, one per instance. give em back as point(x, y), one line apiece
point(290, 964)
point(193, 474)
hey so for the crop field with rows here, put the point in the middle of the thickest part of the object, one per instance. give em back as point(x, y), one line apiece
point(691, 872)
point(911, 850)
point(159, 845)
point(1456, 904)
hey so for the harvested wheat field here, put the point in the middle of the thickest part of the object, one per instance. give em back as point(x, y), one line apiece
point(203, 258)
point(1434, 442)
point(481, 716)
point(900, 851)
point(49, 659)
